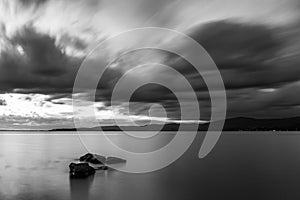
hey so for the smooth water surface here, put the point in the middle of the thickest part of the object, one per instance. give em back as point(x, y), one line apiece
point(241, 166)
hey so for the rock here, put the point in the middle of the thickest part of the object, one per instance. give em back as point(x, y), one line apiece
point(103, 167)
point(81, 170)
point(114, 160)
point(101, 160)
point(86, 157)
point(92, 158)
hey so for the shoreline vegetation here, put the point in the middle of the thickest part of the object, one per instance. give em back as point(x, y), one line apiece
point(233, 124)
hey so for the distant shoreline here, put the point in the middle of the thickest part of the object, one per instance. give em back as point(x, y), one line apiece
point(233, 124)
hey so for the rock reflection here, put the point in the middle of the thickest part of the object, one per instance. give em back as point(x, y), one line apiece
point(80, 188)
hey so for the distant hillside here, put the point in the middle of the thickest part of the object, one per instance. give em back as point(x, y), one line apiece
point(166, 127)
point(234, 124)
point(250, 124)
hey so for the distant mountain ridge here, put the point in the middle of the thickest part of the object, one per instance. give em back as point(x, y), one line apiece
point(233, 124)
point(251, 124)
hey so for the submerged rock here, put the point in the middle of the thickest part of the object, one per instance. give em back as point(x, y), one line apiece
point(98, 159)
point(103, 167)
point(81, 170)
point(102, 159)
point(114, 160)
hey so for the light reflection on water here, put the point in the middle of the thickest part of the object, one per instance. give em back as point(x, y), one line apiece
point(242, 166)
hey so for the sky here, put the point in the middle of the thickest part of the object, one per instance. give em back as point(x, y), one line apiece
point(254, 43)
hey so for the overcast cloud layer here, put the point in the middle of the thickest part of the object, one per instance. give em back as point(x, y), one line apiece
point(255, 44)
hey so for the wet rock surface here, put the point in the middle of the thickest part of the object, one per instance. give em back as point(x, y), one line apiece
point(81, 170)
point(92, 158)
point(98, 159)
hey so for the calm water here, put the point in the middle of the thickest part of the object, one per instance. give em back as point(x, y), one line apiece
point(241, 166)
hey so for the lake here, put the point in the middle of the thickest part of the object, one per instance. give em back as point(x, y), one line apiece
point(243, 165)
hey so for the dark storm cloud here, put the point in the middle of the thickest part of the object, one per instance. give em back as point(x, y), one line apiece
point(32, 2)
point(43, 55)
point(40, 66)
point(229, 41)
point(283, 102)
point(248, 55)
